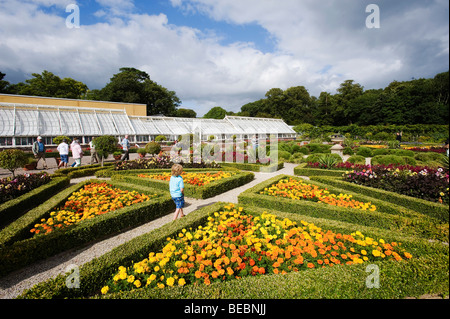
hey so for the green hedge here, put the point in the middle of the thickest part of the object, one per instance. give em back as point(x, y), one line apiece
point(255, 167)
point(12, 209)
point(199, 192)
point(387, 215)
point(435, 210)
point(425, 273)
point(109, 172)
point(82, 171)
point(18, 248)
point(302, 170)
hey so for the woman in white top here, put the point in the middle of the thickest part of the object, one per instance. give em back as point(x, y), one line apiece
point(63, 150)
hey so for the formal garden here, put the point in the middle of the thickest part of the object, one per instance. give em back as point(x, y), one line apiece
point(316, 233)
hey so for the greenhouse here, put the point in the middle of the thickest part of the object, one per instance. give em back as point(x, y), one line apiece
point(20, 124)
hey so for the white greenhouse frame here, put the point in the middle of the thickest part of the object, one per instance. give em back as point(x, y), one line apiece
point(20, 124)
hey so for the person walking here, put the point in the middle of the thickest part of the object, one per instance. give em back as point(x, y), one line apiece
point(77, 153)
point(125, 146)
point(176, 187)
point(94, 155)
point(39, 151)
point(63, 149)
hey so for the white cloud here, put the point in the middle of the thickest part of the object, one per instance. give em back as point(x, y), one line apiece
point(318, 46)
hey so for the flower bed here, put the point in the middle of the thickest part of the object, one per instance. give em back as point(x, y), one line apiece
point(228, 181)
point(19, 247)
point(233, 245)
point(387, 215)
point(425, 272)
point(92, 200)
point(428, 184)
point(14, 208)
point(196, 179)
point(440, 150)
point(159, 162)
point(11, 188)
point(300, 190)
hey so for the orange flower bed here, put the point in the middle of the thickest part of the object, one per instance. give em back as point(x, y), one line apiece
point(92, 200)
point(197, 179)
point(233, 245)
point(299, 190)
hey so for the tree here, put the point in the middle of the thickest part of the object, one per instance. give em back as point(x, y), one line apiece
point(105, 145)
point(50, 85)
point(3, 84)
point(12, 160)
point(217, 112)
point(131, 85)
point(186, 113)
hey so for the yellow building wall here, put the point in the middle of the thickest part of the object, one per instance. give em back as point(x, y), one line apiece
point(131, 109)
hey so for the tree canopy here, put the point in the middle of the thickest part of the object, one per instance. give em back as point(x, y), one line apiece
point(131, 85)
point(46, 84)
point(419, 101)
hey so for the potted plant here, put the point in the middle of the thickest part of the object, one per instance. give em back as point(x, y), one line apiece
point(117, 155)
point(30, 165)
point(142, 152)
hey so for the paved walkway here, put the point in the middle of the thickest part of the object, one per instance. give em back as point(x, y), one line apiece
point(14, 284)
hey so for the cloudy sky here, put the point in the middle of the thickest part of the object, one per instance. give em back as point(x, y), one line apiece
point(227, 52)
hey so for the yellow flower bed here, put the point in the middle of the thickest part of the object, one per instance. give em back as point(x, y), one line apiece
point(375, 146)
point(233, 245)
point(197, 179)
point(299, 190)
point(92, 200)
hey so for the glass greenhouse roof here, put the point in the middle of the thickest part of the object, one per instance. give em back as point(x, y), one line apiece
point(23, 120)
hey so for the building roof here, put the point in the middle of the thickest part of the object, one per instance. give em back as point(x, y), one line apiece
point(32, 120)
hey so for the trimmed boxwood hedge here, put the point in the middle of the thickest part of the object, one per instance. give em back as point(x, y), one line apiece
point(109, 172)
point(387, 215)
point(14, 208)
point(255, 167)
point(18, 248)
point(199, 192)
point(425, 273)
point(82, 171)
point(435, 210)
point(302, 170)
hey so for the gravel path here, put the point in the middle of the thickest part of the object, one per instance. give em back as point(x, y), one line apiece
point(15, 283)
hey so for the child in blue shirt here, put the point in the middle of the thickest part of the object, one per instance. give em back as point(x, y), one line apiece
point(176, 186)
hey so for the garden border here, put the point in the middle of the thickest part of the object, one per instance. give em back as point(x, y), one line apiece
point(14, 208)
point(435, 210)
point(399, 279)
point(393, 217)
point(17, 251)
point(199, 192)
point(302, 170)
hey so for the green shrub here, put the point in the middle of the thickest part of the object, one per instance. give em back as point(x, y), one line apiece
point(58, 140)
point(318, 148)
point(380, 151)
point(388, 159)
point(153, 148)
point(357, 159)
point(160, 138)
point(304, 150)
point(407, 153)
point(348, 151)
point(364, 151)
point(12, 159)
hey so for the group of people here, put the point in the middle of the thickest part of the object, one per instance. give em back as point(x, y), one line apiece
point(63, 148)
